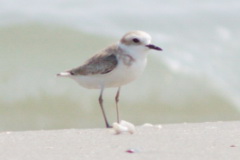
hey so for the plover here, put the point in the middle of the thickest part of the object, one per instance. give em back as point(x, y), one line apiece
point(114, 66)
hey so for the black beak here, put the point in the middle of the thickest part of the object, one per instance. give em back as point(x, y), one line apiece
point(151, 46)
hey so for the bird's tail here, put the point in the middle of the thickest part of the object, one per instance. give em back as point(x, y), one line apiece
point(64, 74)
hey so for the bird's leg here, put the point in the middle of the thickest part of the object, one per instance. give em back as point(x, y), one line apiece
point(117, 100)
point(101, 105)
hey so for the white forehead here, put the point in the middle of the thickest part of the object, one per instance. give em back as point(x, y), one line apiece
point(142, 36)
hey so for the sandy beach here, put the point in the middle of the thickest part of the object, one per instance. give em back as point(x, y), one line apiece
point(195, 141)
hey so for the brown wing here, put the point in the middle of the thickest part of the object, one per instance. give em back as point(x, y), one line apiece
point(99, 64)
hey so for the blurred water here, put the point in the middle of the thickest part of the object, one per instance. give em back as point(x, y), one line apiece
point(195, 79)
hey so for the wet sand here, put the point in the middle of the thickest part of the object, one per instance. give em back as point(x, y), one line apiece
point(205, 141)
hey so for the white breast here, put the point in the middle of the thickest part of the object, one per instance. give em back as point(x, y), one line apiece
point(121, 75)
point(124, 74)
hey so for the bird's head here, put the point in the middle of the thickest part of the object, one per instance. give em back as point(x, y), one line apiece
point(138, 41)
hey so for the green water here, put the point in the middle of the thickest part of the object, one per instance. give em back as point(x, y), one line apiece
point(32, 97)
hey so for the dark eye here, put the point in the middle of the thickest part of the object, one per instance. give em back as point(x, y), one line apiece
point(136, 40)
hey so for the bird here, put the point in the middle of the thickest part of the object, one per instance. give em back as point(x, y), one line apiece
point(114, 66)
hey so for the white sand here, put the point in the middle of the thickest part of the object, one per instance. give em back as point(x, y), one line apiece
point(204, 141)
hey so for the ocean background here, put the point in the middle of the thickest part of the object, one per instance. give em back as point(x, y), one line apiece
point(195, 79)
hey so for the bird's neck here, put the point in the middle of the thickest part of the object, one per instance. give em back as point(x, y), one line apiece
point(134, 51)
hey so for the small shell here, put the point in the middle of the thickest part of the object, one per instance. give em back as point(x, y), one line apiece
point(233, 145)
point(118, 128)
point(130, 126)
point(123, 126)
point(159, 126)
point(147, 125)
point(132, 150)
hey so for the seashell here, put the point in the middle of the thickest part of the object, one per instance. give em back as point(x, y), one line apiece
point(147, 125)
point(130, 126)
point(118, 128)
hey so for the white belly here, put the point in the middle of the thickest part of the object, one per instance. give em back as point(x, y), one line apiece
point(121, 75)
